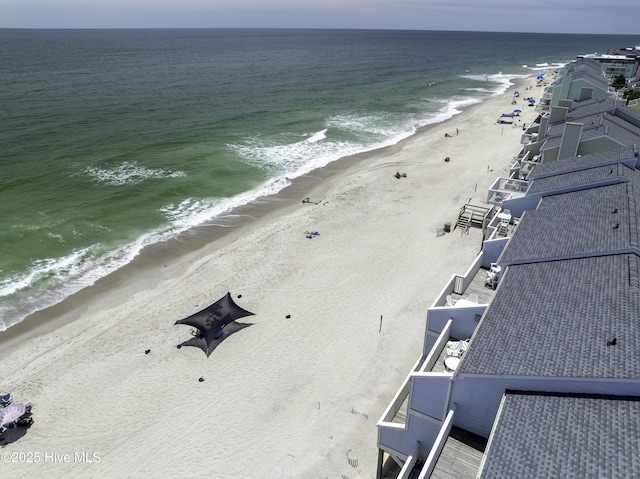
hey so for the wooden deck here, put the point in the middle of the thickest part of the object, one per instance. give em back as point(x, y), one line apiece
point(485, 294)
point(472, 215)
point(461, 456)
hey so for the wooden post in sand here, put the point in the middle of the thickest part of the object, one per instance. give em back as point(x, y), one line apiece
point(380, 330)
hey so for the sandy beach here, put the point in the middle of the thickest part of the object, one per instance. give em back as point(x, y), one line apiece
point(339, 320)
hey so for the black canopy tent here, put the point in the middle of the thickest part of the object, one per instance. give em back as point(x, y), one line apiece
point(208, 347)
point(215, 323)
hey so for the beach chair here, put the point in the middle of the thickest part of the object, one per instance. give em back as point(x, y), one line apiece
point(456, 348)
point(491, 280)
point(6, 400)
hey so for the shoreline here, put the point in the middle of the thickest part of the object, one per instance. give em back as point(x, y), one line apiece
point(217, 231)
point(339, 319)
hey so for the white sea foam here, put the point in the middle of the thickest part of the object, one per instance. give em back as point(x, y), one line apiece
point(51, 270)
point(504, 81)
point(546, 66)
point(59, 278)
point(295, 158)
point(478, 89)
point(127, 173)
point(321, 135)
point(351, 134)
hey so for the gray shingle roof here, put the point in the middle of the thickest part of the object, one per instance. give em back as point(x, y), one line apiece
point(590, 108)
point(585, 63)
point(600, 118)
point(552, 436)
point(575, 224)
point(554, 319)
point(594, 77)
point(581, 163)
point(608, 174)
point(616, 130)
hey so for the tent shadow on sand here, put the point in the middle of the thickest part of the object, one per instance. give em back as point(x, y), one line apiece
point(225, 332)
point(12, 434)
point(215, 323)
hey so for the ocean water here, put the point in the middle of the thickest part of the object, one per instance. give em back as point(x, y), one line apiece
point(111, 140)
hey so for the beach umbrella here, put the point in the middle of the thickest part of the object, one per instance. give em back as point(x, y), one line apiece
point(531, 100)
point(12, 413)
point(211, 322)
point(517, 111)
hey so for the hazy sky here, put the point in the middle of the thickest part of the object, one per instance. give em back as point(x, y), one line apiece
point(562, 16)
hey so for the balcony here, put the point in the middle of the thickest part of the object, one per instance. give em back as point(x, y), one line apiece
point(460, 457)
point(468, 298)
point(502, 225)
point(506, 188)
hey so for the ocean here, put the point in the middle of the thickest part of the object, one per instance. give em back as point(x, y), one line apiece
point(114, 140)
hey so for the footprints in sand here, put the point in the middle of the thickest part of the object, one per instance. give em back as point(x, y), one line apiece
point(353, 461)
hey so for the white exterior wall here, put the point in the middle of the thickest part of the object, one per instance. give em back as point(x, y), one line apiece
point(463, 325)
point(577, 85)
point(478, 398)
point(518, 206)
point(492, 250)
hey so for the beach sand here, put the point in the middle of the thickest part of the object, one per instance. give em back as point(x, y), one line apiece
point(339, 321)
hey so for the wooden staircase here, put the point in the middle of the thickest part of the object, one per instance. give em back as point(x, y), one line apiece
point(464, 217)
point(474, 215)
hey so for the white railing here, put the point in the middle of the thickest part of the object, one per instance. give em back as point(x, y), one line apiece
point(396, 403)
point(436, 350)
point(409, 464)
point(437, 447)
